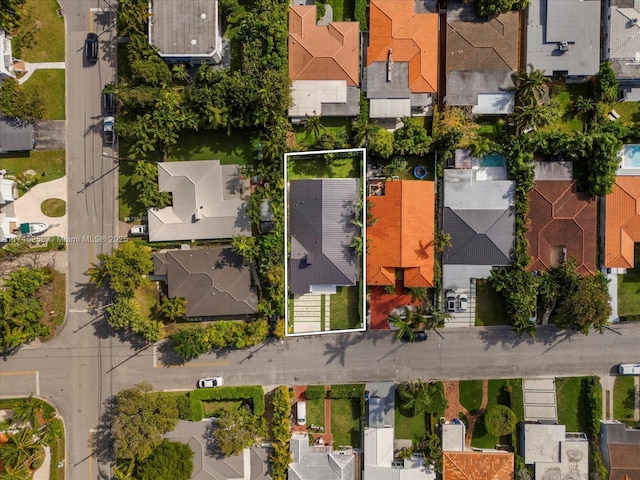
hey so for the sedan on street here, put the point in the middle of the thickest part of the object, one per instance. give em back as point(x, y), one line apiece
point(210, 382)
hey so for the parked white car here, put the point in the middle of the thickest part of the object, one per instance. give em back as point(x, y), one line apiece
point(210, 382)
point(138, 230)
point(464, 301)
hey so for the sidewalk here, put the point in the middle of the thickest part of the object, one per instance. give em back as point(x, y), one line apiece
point(32, 67)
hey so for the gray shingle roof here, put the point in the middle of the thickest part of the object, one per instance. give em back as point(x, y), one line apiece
point(321, 232)
point(207, 202)
point(574, 21)
point(479, 237)
point(463, 87)
point(214, 281)
point(310, 465)
point(15, 136)
point(185, 28)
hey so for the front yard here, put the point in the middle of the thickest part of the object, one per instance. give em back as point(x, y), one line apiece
point(628, 288)
point(408, 426)
point(345, 422)
point(624, 401)
point(51, 163)
point(499, 394)
point(40, 37)
point(51, 84)
point(570, 407)
point(489, 305)
point(344, 311)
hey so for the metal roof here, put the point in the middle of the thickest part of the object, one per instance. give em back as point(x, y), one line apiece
point(15, 135)
point(321, 233)
point(464, 86)
point(390, 108)
point(207, 202)
point(185, 28)
point(214, 281)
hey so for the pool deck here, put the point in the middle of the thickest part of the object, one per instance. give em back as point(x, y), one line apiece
point(624, 169)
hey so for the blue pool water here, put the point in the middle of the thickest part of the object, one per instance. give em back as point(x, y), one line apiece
point(631, 156)
point(494, 160)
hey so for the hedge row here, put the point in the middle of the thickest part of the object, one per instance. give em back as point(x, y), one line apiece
point(347, 391)
point(360, 14)
point(315, 392)
point(280, 456)
point(253, 393)
point(593, 404)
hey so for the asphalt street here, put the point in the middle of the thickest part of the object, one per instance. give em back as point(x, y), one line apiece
point(85, 364)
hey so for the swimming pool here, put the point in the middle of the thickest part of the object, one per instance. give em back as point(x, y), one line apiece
point(494, 160)
point(631, 156)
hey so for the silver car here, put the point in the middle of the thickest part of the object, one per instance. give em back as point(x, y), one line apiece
point(210, 382)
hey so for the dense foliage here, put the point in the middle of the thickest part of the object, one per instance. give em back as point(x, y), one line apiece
point(23, 104)
point(496, 7)
point(315, 392)
point(140, 420)
point(21, 308)
point(237, 429)
point(500, 420)
point(607, 84)
point(124, 270)
point(421, 397)
point(280, 455)
point(10, 13)
point(171, 460)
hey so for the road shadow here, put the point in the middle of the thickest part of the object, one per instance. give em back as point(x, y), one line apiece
point(503, 335)
point(167, 355)
point(102, 440)
point(336, 350)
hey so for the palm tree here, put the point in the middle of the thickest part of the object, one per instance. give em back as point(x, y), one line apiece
point(419, 294)
point(417, 397)
point(29, 410)
point(15, 473)
point(363, 132)
point(479, 146)
point(313, 126)
point(441, 241)
point(404, 326)
point(180, 72)
point(20, 449)
point(534, 116)
point(530, 86)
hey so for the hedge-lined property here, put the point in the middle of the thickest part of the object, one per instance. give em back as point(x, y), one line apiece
point(255, 393)
point(280, 457)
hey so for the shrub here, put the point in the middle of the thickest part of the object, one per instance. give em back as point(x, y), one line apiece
point(500, 420)
point(360, 14)
point(593, 404)
point(281, 425)
point(347, 391)
point(315, 392)
point(184, 408)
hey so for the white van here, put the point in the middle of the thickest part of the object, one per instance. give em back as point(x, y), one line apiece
point(301, 408)
point(629, 369)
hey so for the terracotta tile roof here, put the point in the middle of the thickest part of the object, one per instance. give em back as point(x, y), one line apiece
point(559, 215)
point(490, 45)
point(622, 222)
point(402, 237)
point(318, 52)
point(477, 466)
point(625, 462)
point(393, 24)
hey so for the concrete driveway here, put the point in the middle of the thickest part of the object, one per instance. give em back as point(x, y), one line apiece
point(27, 207)
point(50, 134)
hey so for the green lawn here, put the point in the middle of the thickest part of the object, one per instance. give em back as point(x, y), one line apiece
point(345, 422)
point(330, 124)
point(344, 311)
point(51, 163)
point(409, 427)
point(470, 394)
point(129, 189)
point(148, 298)
point(315, 412)
point(306, 167)
point(628, 290)
point(54, 207)
point(214, 145)
point(623, 399)
point(489, 305)
point(629, 111)
point(40, 37)
point(564, 97)
point(52, 86)
point(212, 408)
point(498, 395)
point(53, 300)
point(570, 410)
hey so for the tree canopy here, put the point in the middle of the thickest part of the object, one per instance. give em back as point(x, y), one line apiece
point(500, 420)
point(140, 420)
point(170, 460)
point(124, 270)
point(421, 397)
point(237, 429)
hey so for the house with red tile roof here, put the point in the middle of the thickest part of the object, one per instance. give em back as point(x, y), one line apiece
point(324, 65)
point(477, 465)
point(562, 225)
point(402, 58)
point(402, 236)
point(622, 222)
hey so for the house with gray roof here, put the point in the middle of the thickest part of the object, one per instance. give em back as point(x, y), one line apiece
point(186, 30)
point(563, 37)
point(620, 449)
point(319, 462)
point(209, 202)
point(15, 135)
point(481, 55)
point(321, 231)
point(479, 216)
point(215, 282)
point(622, 45)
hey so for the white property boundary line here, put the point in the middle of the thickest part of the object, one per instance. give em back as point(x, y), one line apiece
point(363, 287)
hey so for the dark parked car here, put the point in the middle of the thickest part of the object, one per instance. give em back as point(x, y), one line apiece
point(91, 48)
point(108, 131)
point(419, 336)
point(108, 99)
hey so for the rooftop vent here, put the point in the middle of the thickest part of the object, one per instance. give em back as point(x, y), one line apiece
point(633, 21)
point(563, 46)
point(203, 16)
point(194, 41)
